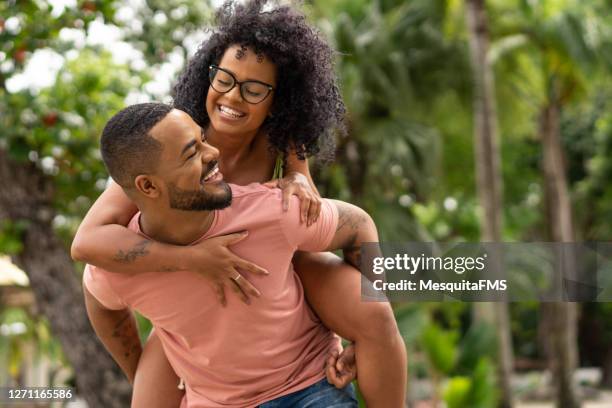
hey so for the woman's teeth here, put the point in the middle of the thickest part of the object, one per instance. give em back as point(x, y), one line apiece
point(230, 112)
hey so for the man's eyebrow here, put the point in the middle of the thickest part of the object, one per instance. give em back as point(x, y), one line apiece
point(188, 146)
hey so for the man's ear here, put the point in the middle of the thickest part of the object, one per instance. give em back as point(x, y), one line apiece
point(147, 186)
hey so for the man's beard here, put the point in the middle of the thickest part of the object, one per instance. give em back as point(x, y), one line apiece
point(199, 200)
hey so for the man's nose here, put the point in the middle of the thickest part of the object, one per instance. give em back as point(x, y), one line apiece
point(209, 153)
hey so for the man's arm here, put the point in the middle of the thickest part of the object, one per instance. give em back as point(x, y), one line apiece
point(355, 226)
point(117, 331)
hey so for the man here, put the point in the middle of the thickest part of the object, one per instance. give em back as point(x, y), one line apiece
point(232, 356)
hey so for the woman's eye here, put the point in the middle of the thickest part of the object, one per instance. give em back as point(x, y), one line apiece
point(253, 93)
point(223, 82)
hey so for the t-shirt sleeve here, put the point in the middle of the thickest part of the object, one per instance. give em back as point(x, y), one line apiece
point(99, 286)
point(319, 235)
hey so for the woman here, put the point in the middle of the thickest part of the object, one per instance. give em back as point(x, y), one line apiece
point(262, 86)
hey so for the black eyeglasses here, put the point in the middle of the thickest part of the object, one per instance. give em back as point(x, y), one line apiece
point(224, 81)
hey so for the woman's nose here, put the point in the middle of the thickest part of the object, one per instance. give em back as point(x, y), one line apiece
point(234, 93)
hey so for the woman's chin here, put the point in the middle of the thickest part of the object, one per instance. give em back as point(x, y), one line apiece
point(237, 129)
point(227, 130)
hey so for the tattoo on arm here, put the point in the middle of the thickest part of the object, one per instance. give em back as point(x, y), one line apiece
point(127, 333)
point(170, 268)
point(139, 250)
point(351, 221)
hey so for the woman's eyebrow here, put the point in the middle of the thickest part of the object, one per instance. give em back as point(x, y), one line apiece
point(248, 79)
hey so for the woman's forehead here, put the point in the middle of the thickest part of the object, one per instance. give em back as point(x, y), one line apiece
point(246, 65)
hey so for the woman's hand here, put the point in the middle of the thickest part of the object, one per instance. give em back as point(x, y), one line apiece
point(341, 369)
point(295, 183)
point(213, 259)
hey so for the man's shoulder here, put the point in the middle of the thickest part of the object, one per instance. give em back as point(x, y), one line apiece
point(254, 192)
point(250, 189)
point(253, 203)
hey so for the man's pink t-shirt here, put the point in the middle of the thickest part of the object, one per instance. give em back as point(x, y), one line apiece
point(240, 355)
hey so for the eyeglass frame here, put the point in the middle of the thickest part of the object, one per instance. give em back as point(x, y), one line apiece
point(239, 83)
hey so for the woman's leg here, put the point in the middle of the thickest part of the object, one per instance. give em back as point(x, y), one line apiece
point(155, 384)
point(333, 289)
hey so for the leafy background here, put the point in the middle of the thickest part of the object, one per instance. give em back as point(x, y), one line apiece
point(67, 66)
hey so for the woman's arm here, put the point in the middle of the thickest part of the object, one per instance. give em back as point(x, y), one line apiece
point(294, 164)
point(103, 240)
point(298, 181)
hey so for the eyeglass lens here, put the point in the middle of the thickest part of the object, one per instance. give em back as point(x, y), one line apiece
point(251, 91)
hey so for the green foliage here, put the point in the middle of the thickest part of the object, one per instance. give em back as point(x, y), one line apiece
point(405, 78)
point(457, 392)
point(483, 393)
point(411, 320)
point(392, 157)
point(475, 385)
point(456, 359)
point(23, 333)
point(441, 348)
point(458, 223)
point(524, 328)
point(587, 131)
point(144, 327)
point(58, 127)
point(39, 28)
point(479, 342)
point(165, 25)
point(100, 87)
point(10, 236)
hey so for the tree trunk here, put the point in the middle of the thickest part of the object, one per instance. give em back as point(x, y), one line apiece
point(560, 318)
point(25, 194)
point(606, 378)
point(489, 182)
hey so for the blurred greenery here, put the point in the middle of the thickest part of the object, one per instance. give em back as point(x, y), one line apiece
point(408, 159)
point(23, 330)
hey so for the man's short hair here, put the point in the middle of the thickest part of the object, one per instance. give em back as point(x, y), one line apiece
point(128, 149)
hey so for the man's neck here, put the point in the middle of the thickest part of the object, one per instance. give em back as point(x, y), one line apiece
point(174, 226)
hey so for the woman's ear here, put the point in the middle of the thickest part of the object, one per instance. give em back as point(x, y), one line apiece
point(147, 186)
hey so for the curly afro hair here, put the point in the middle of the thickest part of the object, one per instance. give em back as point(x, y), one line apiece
point(307, 107)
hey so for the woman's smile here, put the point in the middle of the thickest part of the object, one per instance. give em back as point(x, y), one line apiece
point(232, 114)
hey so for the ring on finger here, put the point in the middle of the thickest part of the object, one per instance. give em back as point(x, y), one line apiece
point(237, 277)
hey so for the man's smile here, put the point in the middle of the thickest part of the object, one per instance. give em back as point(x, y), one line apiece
point(213, 173)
